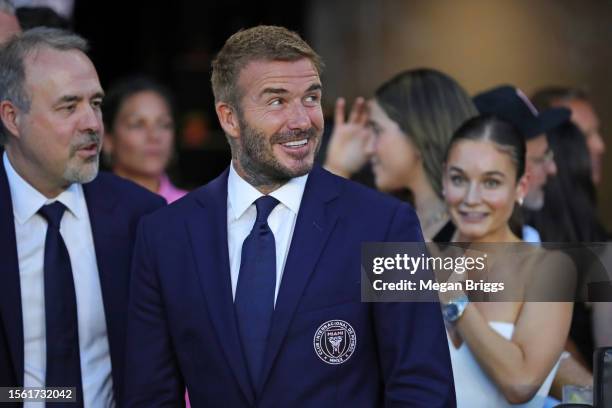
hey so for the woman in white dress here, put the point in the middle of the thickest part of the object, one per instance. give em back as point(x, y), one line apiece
point(503, 353)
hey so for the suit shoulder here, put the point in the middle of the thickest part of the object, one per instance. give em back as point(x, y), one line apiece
point(178, 210)
point(364, 196)
point(127, 191)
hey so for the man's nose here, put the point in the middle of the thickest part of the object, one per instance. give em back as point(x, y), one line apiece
point(298, 117)
point(91, 120)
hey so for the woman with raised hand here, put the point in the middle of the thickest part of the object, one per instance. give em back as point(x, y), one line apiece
point(502, 353)
point(404, 131)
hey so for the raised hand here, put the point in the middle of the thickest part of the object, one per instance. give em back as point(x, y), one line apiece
point(346, 152)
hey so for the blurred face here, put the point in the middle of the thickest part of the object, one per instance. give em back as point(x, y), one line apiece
point(141, 141)
point(395, 159)
point(480, 189)
point(587, 121)
point(279, 123)
point(58, 140)
point(539, 166)
point(9, 26)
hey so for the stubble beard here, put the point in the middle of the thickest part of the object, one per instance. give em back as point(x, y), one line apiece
point(534, 200)
point(83, 171)
point(254, 155)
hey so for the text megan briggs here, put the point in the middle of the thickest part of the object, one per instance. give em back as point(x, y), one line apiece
point(468, 285)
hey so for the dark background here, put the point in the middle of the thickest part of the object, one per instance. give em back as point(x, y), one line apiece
point(481, 43)
point(174, 42)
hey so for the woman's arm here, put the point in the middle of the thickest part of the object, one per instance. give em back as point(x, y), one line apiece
point(519, 366)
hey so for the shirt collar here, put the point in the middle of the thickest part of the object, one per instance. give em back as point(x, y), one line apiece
point(27, 200)
point(241, 194)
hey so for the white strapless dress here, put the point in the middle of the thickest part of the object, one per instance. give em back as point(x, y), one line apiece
point(473, 387)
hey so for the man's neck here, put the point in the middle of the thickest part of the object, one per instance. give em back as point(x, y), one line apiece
point(32, 176)
point(263, 184)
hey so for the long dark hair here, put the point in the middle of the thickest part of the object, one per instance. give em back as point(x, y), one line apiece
point(570, 211)
point(428, 106)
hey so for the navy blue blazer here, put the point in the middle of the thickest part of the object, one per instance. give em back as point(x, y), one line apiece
point(182, 325)
point(115, 206)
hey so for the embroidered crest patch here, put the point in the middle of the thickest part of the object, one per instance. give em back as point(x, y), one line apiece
point(335, 341)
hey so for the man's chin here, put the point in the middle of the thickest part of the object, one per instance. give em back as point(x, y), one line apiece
point(294, 168)
point(85, 174)
point(534, 200)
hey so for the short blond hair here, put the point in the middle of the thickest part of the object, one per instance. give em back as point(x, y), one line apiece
point(260, 43)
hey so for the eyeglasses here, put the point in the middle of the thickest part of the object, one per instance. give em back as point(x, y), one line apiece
point(546, 158)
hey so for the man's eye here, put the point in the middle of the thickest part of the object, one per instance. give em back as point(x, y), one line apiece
point(312, 98)
point(96, 104)
point(276, 102)
point(68, 108)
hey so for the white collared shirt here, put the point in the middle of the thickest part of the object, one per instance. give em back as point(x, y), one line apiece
point(30, 231)
point(241, 214)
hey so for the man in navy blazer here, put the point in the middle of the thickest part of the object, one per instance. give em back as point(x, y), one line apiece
point(52, 129)
point(247, 291)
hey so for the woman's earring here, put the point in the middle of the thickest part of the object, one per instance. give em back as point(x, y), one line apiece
point(520, 201)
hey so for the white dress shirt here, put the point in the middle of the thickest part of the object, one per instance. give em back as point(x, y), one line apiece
point(241, 214)
point(30, 231)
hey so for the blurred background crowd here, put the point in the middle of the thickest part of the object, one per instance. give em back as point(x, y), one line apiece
point(528, 78)
point(480, 44)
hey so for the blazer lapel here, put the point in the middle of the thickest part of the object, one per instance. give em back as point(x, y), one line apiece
point(208, 233)
point(313, 226)
point(100, 206)
point(10, 299)
point(114, 277)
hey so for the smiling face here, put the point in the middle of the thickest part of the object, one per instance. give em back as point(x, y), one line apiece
point(276, 131)
point(481, 192)
point(395, 159)
point(141, 139)
point(58, 140)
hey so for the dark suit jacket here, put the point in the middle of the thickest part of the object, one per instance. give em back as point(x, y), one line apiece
point(182, 325)
point(115, 206)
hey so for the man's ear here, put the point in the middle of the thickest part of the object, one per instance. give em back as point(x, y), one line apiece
point(9, 115)
point(228, 118)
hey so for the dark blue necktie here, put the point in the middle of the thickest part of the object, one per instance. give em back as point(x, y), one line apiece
point(255, 290)
point(62, 335)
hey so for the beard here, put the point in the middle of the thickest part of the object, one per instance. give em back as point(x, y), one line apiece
point(256, 158)
point(534, 200)
point(77, 170)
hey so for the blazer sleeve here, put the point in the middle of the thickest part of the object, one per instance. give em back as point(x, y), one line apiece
point(153, 378)
point(412, 341)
